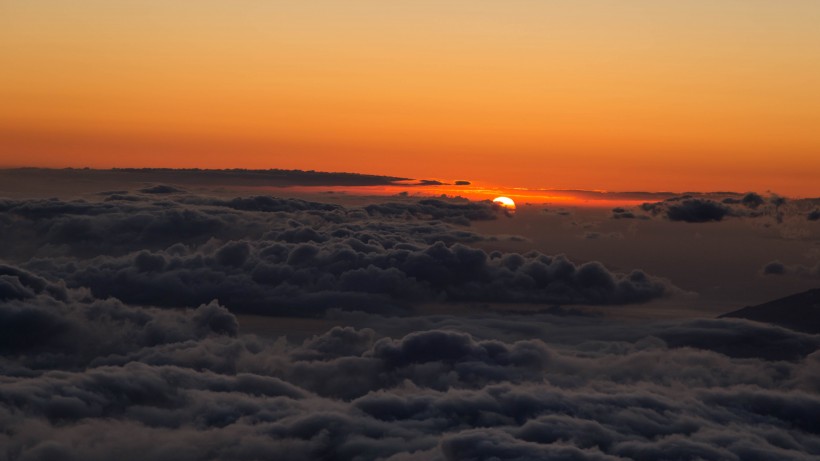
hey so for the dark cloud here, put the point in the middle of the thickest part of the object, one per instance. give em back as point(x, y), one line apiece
point(752, 200)
point(81, 228)
point(74, 179)
point(494, 444)
point(161, 189)
point(279, 278)
point(742, 339)
point(433, 394)
point(603, 236)
point(124, 197)
point(696, 211)
point(47, 326)
point(459, 212)
point(798, 270)
point(774, 268)
point(277, 256)
point(700, 208)
point(17, 284)
point(185, 384)
point(271, 204)
point(623, 213)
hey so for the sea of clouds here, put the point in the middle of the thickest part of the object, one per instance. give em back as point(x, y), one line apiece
point(121, 336)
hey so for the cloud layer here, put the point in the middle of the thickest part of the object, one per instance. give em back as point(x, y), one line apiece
point(293, 257)
point(91, 379)
point(702, 208)
point(121, 337)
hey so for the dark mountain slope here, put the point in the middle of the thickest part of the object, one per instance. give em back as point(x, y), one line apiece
point(799, 312)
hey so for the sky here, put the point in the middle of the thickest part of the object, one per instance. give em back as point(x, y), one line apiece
point(604, 95)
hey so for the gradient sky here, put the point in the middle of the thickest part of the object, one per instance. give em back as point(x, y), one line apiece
point(617, 95)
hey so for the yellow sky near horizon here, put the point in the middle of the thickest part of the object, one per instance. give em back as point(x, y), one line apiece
point(601, 94)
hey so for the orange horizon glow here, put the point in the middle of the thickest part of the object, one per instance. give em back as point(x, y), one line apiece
point(475, 192)
point(644, 95)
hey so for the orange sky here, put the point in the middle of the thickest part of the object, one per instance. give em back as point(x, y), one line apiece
point(637, 95)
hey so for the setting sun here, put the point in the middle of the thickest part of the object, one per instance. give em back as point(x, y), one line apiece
point(505, 203)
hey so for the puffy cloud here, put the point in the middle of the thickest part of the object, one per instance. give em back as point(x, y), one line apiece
point(278, 278)
point(800, 270)
point(460, 212)
point(494, 444)
point(603, 236)
point(46, 325)
point(16, 283)
point(161, 189)
point(623, 213)
point(294, 257)
point(700, 208)
point(81, 228)
point(183, 385)
point(752, 200)
point(696, 211)
point(741, 339)
point(774, 268)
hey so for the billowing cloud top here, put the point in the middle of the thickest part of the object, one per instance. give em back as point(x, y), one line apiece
point(293, 257)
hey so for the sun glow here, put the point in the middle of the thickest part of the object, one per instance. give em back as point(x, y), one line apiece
point(507, 204)
point(477, 191)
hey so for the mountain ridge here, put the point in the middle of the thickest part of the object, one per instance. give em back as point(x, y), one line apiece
point(800, 312)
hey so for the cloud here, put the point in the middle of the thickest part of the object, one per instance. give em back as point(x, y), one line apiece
point(740, 339)
point(684, 209)
point(459, 212)
point(51, 328)
point(701, 208)
point(696, 211)
point(298, 278)
point(752, 200)
point(774, 268)
point(187, 385)
point(161, 189)
point(82, 228)
point(494, 444)
point(777, 268)
point(623, 213)
point(603, 236)
point(74, 179)
point(276, 256)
